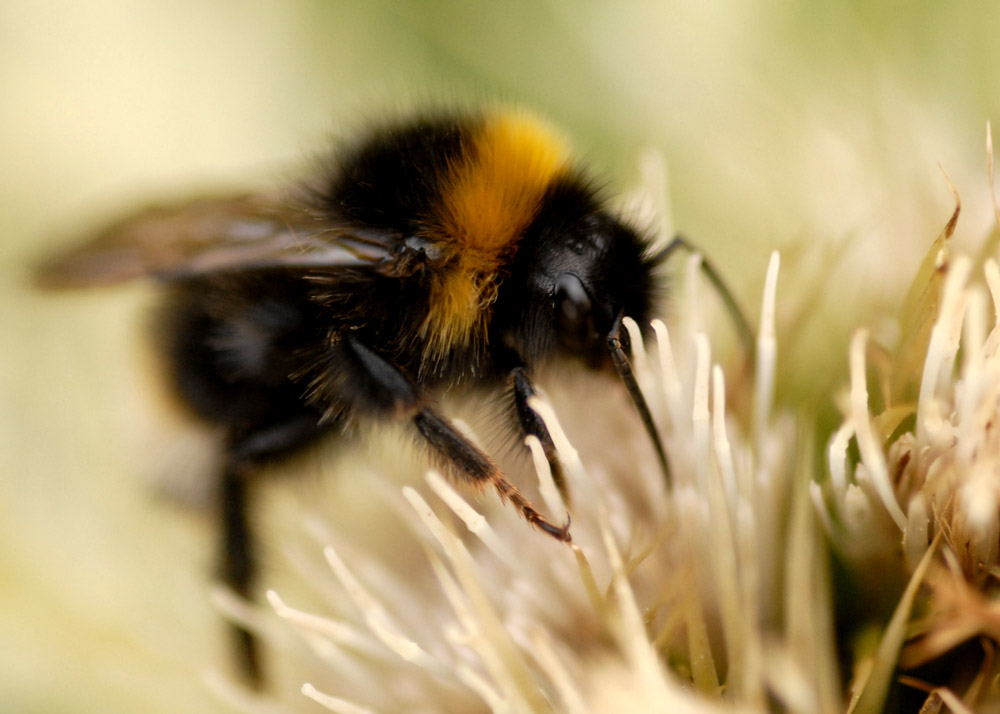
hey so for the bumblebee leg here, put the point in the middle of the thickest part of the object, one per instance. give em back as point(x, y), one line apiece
point(532, 424)
point(237, 566)
point(463, 456)
point(237, 561)
point(392, 392)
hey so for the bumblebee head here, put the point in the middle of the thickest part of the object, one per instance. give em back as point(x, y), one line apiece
point(578, 270)
point(602, 274)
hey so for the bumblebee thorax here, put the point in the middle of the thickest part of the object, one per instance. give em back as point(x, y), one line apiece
point(491, 193)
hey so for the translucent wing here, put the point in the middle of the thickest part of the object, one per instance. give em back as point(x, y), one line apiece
point(209, 235)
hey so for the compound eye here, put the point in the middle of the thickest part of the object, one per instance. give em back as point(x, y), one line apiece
point(574, 312)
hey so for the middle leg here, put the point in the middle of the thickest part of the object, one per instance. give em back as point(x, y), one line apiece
point(394, 394)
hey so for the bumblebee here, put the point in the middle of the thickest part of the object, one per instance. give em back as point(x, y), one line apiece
point(453, 249)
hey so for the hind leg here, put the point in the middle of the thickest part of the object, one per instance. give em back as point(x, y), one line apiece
point(237, 557)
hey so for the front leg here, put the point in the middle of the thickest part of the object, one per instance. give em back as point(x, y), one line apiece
point(385, 388)
point(532, 424)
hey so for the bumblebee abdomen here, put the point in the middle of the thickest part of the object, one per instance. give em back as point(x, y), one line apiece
point(234, 341)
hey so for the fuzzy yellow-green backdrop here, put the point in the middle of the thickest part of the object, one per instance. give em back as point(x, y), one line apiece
point(817, 131)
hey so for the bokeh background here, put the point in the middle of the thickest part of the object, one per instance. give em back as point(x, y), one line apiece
point(817, 130)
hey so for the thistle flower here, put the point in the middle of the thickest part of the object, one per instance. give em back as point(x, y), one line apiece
point(921, 499)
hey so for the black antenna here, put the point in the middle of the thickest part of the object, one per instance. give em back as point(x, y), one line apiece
point(740, 322)
point(624, 369)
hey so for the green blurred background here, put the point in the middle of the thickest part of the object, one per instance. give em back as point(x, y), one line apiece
point(816, 129)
